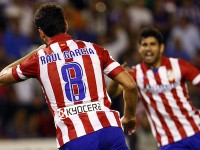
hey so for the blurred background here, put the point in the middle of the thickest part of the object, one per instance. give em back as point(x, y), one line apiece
point(113, 24)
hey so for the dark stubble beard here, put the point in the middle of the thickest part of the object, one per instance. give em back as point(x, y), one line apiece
point(155, 61)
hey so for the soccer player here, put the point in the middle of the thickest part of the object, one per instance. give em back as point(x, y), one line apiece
point(161, 81)
point(71, 73)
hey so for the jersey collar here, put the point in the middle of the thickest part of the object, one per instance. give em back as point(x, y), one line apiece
point(146, 67)
point(59, 37)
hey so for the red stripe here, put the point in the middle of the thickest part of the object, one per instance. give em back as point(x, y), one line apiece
point(86, 123)
point(55, 83)
point(115, 72)
point(59, 136)
point(117, 118)
point(106, 101)
point(71, 129)
point(103, 119)
point(89, 70)
point(153, 104)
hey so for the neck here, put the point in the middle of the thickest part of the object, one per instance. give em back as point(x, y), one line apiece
point(155, 64)
point(46, 39)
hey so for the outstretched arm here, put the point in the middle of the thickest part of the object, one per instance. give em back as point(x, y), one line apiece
point(130, 95)
point(6, 76)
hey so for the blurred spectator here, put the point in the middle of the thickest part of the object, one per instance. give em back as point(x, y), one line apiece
point(21, 10)
point(15, 43)
point(190, 9)
point(162, 17)
point(139, 15)
point(188, 36)
point(175, 49)
point(17, 126)
point(119, 44)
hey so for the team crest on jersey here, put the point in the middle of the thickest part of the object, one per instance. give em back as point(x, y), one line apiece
point(170, 75)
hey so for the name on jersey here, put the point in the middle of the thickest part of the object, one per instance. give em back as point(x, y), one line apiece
point(160, 88)
point(65, 112)
point(53, 57)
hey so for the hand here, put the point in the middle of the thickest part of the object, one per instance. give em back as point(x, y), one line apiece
point(129, 125)
point(127, 68)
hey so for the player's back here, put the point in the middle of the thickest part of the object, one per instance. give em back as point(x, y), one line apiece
point(71, 73)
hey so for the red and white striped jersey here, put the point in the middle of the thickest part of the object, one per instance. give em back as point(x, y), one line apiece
point(71, 73)
point(164, 94)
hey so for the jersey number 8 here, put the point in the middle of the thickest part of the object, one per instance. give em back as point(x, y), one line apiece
point(74, 88)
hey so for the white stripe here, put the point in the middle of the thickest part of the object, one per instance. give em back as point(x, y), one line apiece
point(152, 114)
point(46, 81)
point(97, 72)
point(94, 120)
point(63, 128)
point(109, 99)
point(78, 125)
point(72, 46)
point(110, 67)
point(196, 80)
point(151, 124)
point(57, 143)
point(19, 72)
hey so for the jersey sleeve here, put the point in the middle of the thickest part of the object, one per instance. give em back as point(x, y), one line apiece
point(110, 67)
point(26, 69)
point(189, 72)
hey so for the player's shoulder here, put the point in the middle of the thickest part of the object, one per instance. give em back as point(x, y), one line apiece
point(178, 60)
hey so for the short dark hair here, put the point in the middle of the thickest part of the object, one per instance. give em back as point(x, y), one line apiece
point(49, 17)
point(151, 31)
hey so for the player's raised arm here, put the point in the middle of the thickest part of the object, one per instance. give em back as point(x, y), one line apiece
point(130, 95)
point(6, 76)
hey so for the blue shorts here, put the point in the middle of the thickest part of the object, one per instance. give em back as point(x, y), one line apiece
point(109, 138)
point(190, 143)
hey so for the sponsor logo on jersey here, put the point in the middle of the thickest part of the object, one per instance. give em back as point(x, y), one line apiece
point(65, 112)
point(160, 88)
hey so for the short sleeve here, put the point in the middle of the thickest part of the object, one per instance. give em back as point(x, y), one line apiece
point(189, 72)
point(110, 67)
point(26, 69)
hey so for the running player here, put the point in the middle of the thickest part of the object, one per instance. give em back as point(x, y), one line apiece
point(174, 121)
point(71, 73)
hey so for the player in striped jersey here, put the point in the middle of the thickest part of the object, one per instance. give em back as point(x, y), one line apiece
point(174, 121)
point(71, 73)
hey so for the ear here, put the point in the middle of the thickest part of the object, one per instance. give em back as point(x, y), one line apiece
point(42, 35)
point(66, 25)
point(139, 48)
point(162, 47)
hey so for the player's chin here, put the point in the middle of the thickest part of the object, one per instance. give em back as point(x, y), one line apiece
point(149, 61)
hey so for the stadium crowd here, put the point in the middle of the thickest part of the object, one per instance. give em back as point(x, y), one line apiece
point(113, 24)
